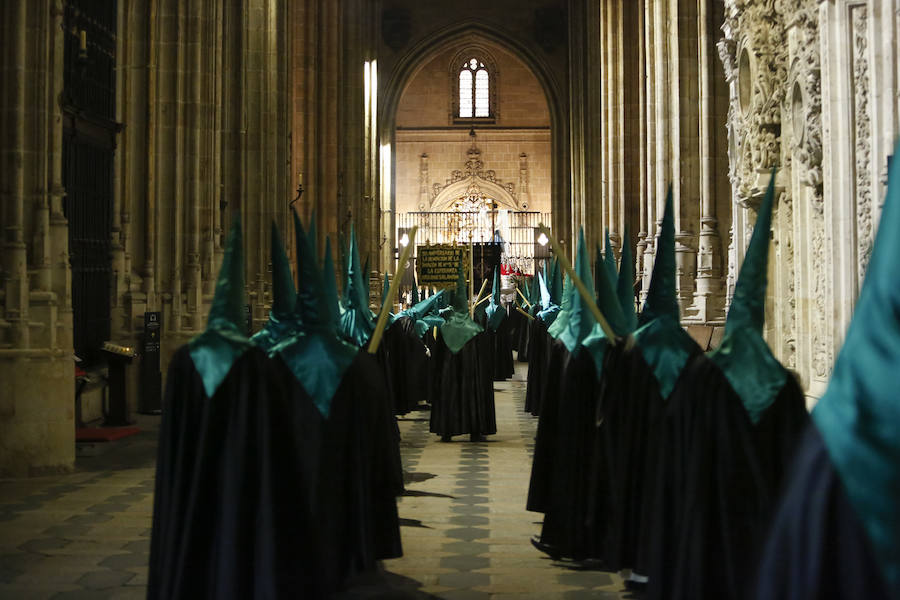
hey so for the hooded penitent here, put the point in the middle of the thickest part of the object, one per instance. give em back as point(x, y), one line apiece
point(225, 338)
point(837, 534)
point(495, 312)
point(664, 344)
point(281, 321)
point(463, 400)
point(732, 425)
point(315, 354)
point(459, 327)
point(744, 356)
point(563, 456)
point(609, 259)
point(625, 284)
point(357, 324)
point(639, 376)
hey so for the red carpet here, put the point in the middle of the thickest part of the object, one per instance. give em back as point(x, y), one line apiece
point(103, 434)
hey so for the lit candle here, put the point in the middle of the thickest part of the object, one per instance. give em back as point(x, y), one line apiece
point(83, 40)
point(300, 178)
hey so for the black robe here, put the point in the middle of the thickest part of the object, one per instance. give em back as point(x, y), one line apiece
point(631, 410)
point(522, 334)
point(567, 527)
point(717, 483)
point(403, 358)
point(818, 547)
point(360, 476)
point(540, 488)
point(258, 496)
point(225, 522)
point(463, 401)
point(501, 342)
point(538, 348)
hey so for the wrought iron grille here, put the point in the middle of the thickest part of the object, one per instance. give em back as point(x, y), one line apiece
point(88, 172)
point(516, 231)
point(89, 139)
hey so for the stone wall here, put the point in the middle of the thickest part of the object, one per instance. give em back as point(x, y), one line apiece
point(202, 98)
point(814, 92)
point(37, 373)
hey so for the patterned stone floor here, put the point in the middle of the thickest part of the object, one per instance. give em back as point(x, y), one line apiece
point(465, 528)
point(468, 500)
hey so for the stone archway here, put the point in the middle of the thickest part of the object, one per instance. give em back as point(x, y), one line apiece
point(469, 33)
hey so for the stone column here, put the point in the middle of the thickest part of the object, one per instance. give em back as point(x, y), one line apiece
point(36, 367)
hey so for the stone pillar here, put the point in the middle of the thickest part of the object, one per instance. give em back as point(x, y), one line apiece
point(36, 366)
point(709, 297)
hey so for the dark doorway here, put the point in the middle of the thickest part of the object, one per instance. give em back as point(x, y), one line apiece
point(89, 141)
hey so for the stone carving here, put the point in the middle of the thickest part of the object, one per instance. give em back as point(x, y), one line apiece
point(863, 139)
point(474, 169)
point(754, 56)
point(804, 102)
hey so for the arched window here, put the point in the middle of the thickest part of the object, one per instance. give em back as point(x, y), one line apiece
point(474, 90)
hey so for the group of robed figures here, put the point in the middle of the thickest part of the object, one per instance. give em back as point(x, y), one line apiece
point(700, 475)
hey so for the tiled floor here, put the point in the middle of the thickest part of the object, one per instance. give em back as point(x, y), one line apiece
point(465, 528)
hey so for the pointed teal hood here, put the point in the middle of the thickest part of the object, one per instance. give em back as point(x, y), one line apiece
point(225, 340)
point(662, 298)
point(495, 311)
point(579, 320)
point(459, 327)
point(744, 357)
point(357, 325)
point(609, 259)
point(559, 322)
point(664, 344)
point(281, 321)
point(859, 415)
point(422, 313)
point(414, 297)
point(315, 355)
point(555, 282)
point(625, 284)
point(384, 289)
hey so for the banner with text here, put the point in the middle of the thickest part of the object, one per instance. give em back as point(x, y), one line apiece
point(436, 265)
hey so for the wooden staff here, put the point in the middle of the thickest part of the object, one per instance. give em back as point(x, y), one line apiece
point(579, 284)
point(481, 291)
point(392, 293)
point(524, 299)
point(524, 313)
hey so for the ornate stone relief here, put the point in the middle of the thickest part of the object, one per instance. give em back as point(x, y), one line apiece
point(753, 54)
point(863, 139)
point(474, 169)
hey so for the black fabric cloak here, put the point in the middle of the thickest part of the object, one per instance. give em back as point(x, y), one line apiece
point(522, 328)
point(819, 548)
point(225, 523)
point(402, 355)
point(538, 361)
point(258, 496)
point(540, 487)
point(360, 476)
point(567, 527)
point(631, 410)
point(718, 480)
point(463, 400)
point(501, 351)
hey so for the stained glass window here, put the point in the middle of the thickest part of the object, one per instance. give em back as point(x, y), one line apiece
point(474, 90)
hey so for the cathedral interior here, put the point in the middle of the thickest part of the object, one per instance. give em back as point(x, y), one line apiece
point(136, 132)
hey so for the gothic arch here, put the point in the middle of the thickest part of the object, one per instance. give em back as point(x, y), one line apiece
point(491, 190)
point(469, 33)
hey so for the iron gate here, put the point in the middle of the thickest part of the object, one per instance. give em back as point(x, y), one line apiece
point(89, 137)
